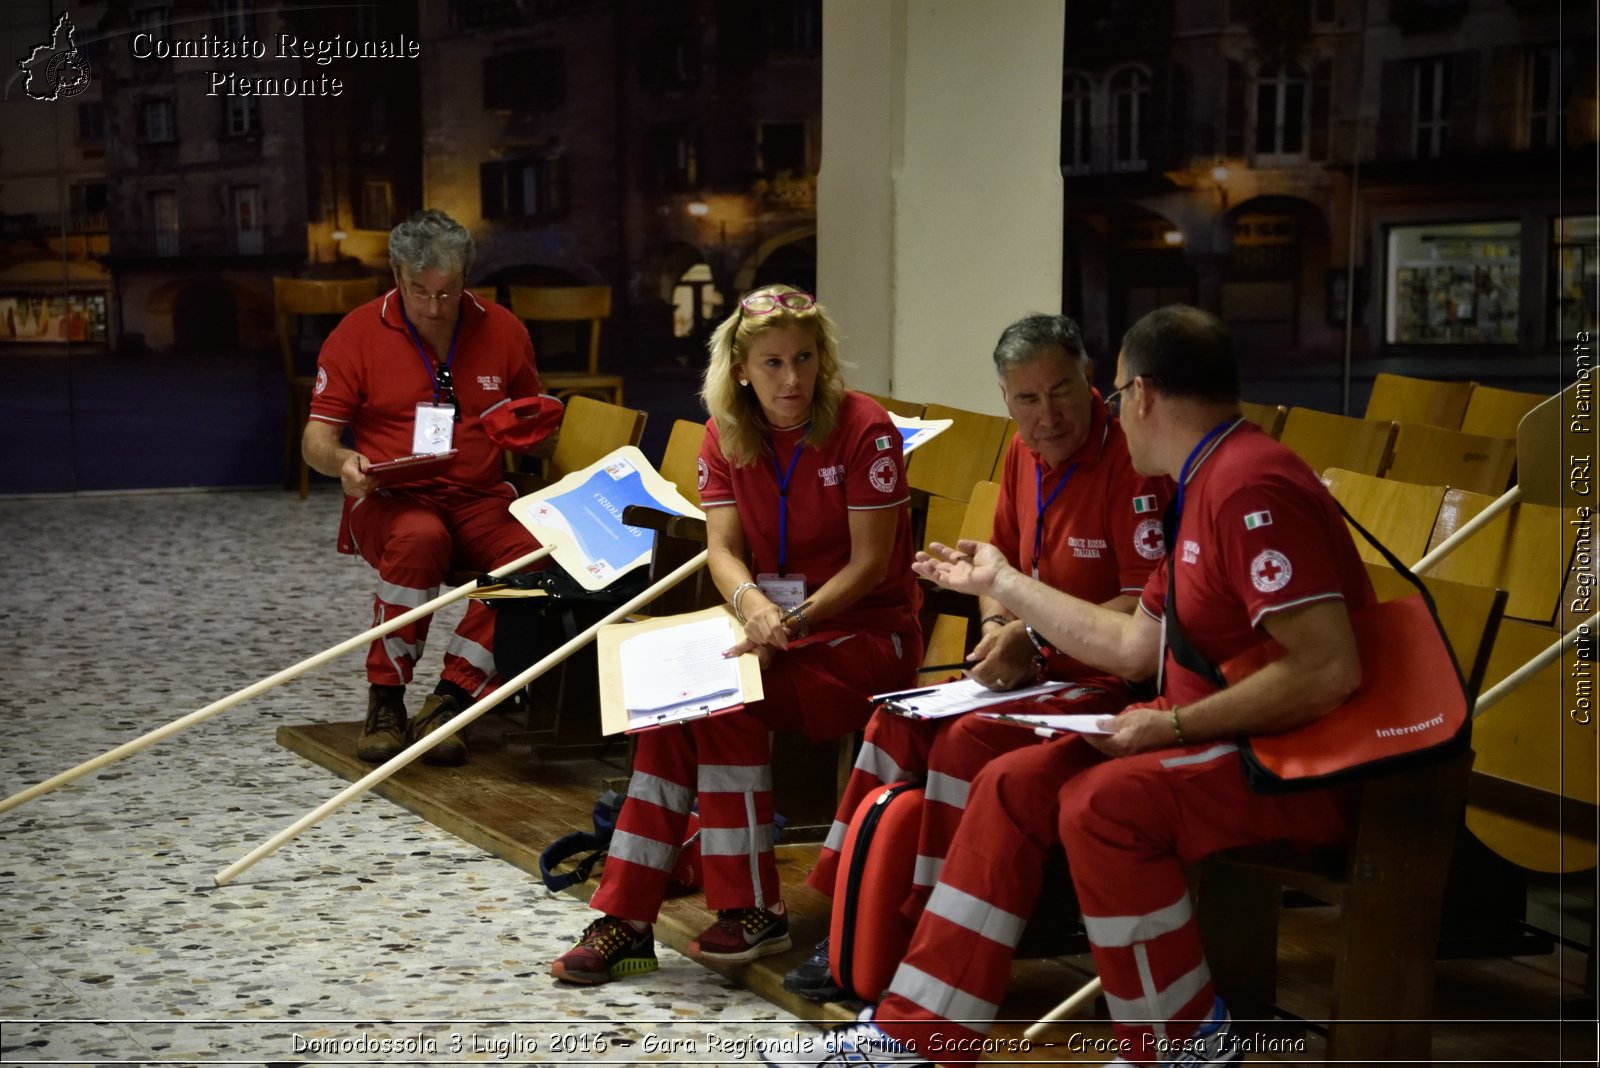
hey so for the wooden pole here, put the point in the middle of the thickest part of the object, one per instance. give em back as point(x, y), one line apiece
point(256, 688)
point(1070, 1007)
point(460, 720)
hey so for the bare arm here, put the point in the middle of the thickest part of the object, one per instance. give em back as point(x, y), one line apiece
point(328, 456)
point(1320, 668)
point(1112, 641)
point(1003, 659)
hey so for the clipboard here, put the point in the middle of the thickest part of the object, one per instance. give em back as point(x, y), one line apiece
point(1049, 725)
point(916, 432)
point(614, 715)
point(580, 517)
point(946, 699)
point(411, 468)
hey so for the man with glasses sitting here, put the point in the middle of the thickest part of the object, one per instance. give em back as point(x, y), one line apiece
point(427, 368)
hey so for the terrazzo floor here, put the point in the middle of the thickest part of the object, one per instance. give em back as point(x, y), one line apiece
point(373, 937)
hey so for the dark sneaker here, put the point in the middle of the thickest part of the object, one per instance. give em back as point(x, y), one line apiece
point(436, 711)
point(813, 979)
point(860, 1044)
point(742, 935)
point(609, 949)
point(384, 733)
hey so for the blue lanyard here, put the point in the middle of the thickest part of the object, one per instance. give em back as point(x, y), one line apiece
point(427, 363)
point(1183, 475)
point(783, 495)
point(1042, 503)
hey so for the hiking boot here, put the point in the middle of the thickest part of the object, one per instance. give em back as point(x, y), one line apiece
point(813, 979)
point(860, 1043)
point(436, 711)
point(609, 949)
point(384, 733)
point(742, 935)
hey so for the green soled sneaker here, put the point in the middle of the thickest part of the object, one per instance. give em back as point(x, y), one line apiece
point(609, 949)
point(384, 733)
point(436, 711)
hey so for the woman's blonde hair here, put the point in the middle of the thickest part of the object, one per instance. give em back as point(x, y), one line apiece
point(741, 426)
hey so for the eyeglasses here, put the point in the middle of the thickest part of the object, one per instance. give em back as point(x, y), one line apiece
point(767, 303)
point(433, 298)
point(1114, 398)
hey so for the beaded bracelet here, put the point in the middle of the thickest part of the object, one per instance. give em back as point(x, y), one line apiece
point(1002, 620)
point(1177, 729)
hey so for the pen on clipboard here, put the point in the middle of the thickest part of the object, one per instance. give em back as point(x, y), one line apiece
point(964, 665)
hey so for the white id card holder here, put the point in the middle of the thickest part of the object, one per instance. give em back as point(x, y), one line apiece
point(785, 591)
point(435, 429)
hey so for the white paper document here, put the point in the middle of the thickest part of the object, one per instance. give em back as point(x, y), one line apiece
point(676, 672)
point(953, 698)
point(1074, 723)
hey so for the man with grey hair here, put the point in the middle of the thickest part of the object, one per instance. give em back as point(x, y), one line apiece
point(1074, 514)
point(427, 368)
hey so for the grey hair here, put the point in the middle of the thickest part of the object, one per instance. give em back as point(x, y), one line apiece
point(1026, 340)
point(431, 240)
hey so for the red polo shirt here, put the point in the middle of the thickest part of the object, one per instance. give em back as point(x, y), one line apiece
point(859, 466)
point(1101, 528)
point(1259, 534)
point(371, 375)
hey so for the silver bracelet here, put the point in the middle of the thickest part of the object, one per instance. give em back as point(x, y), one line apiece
point(739, 591)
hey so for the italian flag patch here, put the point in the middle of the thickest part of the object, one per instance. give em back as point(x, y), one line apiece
point(1142, 505)
point(881, 443)
point(1257, 519)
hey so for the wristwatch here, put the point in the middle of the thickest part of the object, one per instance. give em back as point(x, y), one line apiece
point(1042, 650)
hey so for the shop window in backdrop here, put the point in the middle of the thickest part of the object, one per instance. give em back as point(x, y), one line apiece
point(1575, 277)
point(1453, 284)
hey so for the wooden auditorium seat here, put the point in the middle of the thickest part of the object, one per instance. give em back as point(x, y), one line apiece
point(1399, 514)
point(943, 472)
point(1325, 440)
point(950, 620)
point(1439, 457)
point(1525, 550)
point(1388, 882)
point(679, 464)
point(588, 305)
point(1268, 417)
point(294, 299)
point(909, 409)
point(999, 471)
point(1496, 413)
point(1404, 399)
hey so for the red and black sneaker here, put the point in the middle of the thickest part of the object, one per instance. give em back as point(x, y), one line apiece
point(610, 949)
point(742, 935)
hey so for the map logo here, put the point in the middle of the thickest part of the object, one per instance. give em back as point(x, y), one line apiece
point(57, 69)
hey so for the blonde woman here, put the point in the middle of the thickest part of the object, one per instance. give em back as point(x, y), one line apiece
point(804, 490)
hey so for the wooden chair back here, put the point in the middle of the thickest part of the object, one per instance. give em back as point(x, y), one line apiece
point(1526, 551)
point(1496, 413)
point(1388, 882)
point(566, 304)
point(589, 430)
point(1404, 399)
point(952, 463)
point(679, 461)
point(1399, 514)
point(1325, 440)
point(1268, 417)
point(1533, 797)
point(292, 299)
point(997, 473)
point(1440, 457)
point(909, 409)
point(950, 620)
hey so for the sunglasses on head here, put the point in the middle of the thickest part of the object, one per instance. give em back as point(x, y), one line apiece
point(767, 303)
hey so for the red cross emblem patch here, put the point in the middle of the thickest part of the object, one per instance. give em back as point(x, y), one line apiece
point(1270, 571)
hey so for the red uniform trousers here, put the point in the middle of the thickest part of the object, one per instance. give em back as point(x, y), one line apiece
point(956, 970)
point(414, 540)
point(821, 688)
point(1130, 826)
point(950, 752)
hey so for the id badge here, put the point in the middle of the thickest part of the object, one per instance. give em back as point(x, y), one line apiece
point(785, 591)
point(434, 430)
